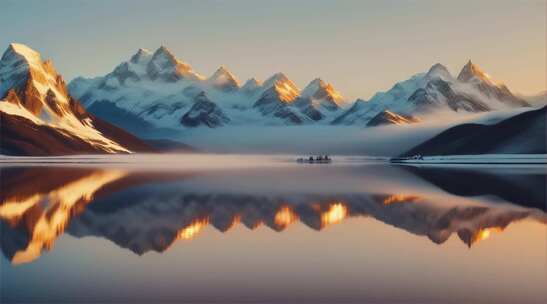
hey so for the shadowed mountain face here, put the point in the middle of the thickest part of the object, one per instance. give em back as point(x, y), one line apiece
point(523, 133)
point(146, 211)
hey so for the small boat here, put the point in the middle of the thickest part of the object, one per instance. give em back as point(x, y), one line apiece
point(315, 160)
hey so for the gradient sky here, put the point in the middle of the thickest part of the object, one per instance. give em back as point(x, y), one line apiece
point(359, 46)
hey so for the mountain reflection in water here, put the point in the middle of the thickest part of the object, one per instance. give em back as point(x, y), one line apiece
point(149, 211)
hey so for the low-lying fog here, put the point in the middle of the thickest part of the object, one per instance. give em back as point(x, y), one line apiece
point(326, 139)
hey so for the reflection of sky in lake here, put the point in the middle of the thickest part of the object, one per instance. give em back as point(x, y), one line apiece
point(348, 233)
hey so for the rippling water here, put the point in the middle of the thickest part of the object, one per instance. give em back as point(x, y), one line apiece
point(262, 229)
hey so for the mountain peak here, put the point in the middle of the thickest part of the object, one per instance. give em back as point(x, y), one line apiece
point(22, 68)
point(165, 65)
point(141, 55)
point(439, 71)
point(251, 86)
point(318, 82)
point(276, 77)
point(224, 79)
point(471, 72)
point(222, 71)
point(285, 88)
point(163, 49)
point(22, 52)
point(253, 81)
point(164, 52)
point(313, 87)
point(319, 89)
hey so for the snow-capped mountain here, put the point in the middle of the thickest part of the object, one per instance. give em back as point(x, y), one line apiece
point(278, 98)
point(477, 78)
point(437, 90)
point(320, 101)
point(251, 86)
point(160, 90)
point(204, 112)
point(40, 117)
point(224, 80)
point(323, 95)
point(157, 90)
point(165, 66)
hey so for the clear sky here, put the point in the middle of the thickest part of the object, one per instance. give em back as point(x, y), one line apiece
point(359, 46)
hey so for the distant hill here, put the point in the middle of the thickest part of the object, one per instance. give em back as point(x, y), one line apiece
point(523, 133)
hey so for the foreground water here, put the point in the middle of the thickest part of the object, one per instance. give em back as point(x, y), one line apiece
point(267, 230)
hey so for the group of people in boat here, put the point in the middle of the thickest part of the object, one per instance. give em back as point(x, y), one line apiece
point(316, 159)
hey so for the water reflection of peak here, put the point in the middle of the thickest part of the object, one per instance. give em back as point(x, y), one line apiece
point(145, 212)
point(145, 226)
point(44, 204)
point(37, 204)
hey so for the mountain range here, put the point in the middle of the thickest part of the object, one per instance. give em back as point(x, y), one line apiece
point(158, 90)
point(155, 91)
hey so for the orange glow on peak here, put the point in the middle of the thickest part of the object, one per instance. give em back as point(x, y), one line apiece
point(190, 231)
point(285, 216)
point(235, 220)
point(401, 198)
point(485, 233)
point(336, 213)
point(286, 90)
point(46, 223)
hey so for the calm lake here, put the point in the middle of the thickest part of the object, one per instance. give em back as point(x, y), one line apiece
point(257, 229)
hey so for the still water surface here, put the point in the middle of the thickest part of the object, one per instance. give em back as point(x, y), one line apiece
point(352, 232)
